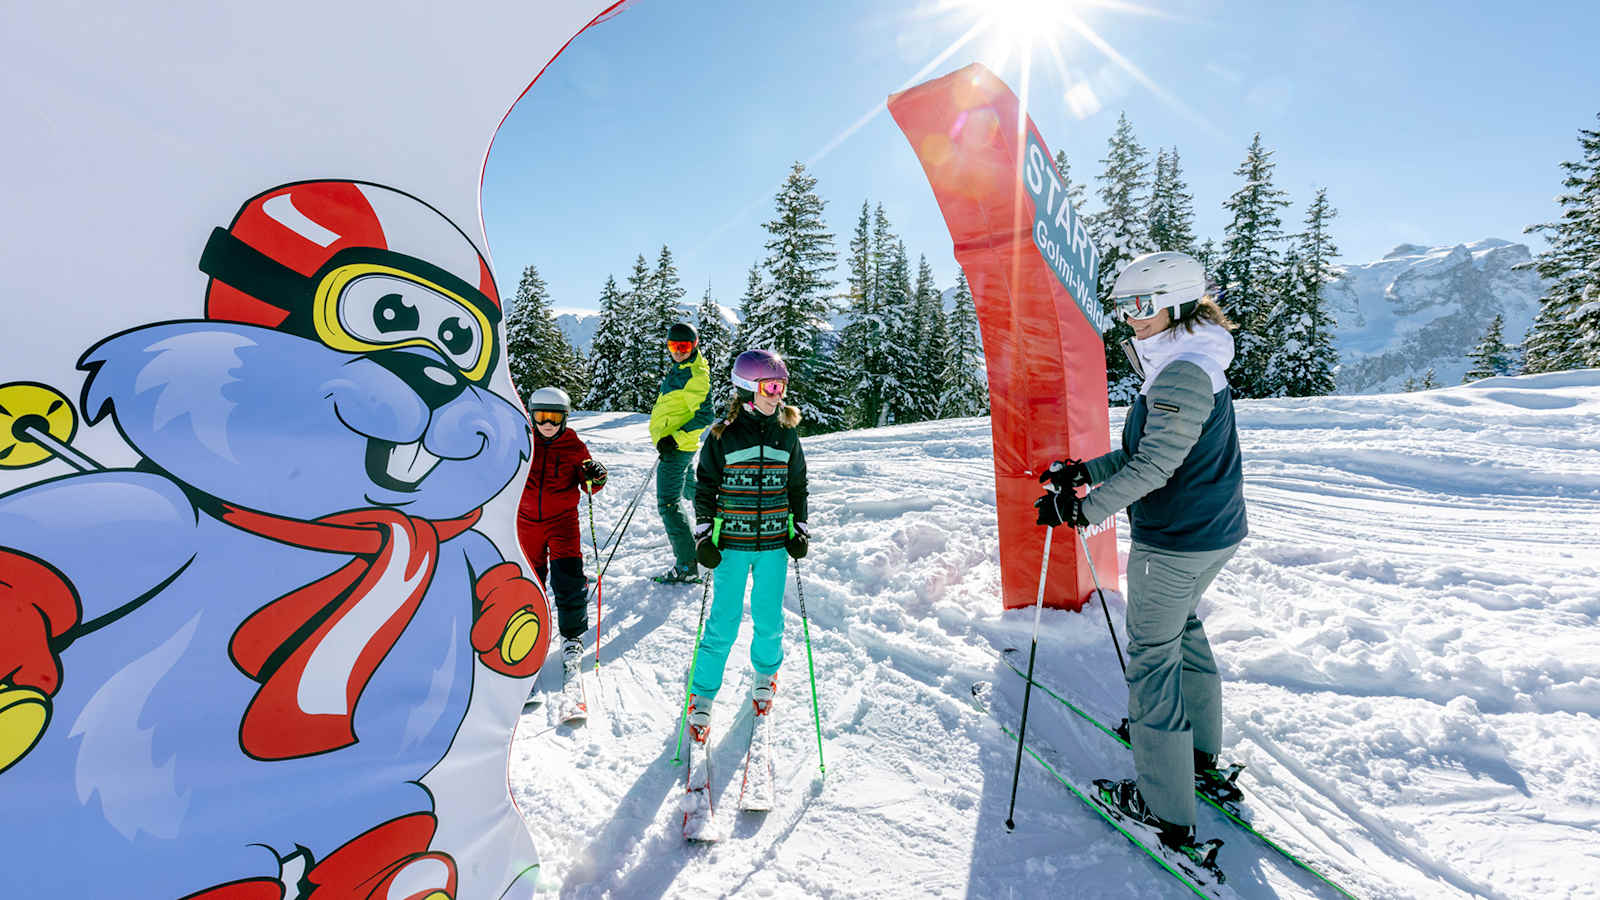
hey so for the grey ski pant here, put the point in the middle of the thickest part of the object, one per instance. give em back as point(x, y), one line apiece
point(1174, 693)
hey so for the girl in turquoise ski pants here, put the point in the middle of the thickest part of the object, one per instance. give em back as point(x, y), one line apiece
point(768, 568)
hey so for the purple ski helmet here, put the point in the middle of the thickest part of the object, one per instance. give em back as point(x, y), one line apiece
point(755, 366)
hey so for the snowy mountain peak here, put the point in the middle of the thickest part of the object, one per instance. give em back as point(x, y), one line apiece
point(1422, 307)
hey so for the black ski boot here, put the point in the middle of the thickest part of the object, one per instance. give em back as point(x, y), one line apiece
point(1123, 798)
point(1219, 785)
point(679, 575)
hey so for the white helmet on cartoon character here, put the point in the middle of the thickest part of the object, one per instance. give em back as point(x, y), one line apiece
point(1156, 281)
point(361, 268)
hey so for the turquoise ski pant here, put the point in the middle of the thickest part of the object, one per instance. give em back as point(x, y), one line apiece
point(767, 569)
point(1174, 692)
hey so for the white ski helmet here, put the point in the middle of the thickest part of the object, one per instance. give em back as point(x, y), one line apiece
point(551, 399)
point(1156, 281)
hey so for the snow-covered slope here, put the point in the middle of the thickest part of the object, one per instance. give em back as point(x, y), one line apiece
point(1407, 641)
point(1422, 307)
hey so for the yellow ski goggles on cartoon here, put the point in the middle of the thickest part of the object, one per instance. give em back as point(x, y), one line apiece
point(365, 300)
point(362, 307)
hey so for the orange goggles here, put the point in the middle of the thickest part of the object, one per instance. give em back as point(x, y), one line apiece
point(772, 387)
point(680, 346)
point(548, 417)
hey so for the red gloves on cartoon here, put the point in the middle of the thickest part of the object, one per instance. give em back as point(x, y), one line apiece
point(511, 632)
point(37, 608)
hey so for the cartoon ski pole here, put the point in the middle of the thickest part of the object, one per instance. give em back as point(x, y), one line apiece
point(36, 423)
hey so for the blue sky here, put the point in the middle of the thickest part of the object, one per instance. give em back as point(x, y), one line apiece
point(675, 122)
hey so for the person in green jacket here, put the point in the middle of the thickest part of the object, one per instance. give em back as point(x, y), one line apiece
point(749, 509)
point(682, 411)
point(1180, 475)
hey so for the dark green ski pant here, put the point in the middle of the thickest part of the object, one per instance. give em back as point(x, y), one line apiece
point(675, 483)
point(1174, 693)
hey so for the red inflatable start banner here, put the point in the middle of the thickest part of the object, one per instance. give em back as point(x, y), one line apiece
point(1032, 270)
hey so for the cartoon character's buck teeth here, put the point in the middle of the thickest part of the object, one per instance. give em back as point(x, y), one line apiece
point(400, 466)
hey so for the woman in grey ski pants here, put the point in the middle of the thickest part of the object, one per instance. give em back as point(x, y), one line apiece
point(1179, 474)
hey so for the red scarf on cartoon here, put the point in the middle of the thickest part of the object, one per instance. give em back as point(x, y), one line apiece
point(314, 649)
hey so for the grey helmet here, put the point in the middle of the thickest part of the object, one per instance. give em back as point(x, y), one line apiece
point(550, 399)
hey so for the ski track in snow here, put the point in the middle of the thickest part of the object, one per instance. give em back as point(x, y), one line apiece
point(1406, 641)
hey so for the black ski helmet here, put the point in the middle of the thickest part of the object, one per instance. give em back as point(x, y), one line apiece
point(682, 331)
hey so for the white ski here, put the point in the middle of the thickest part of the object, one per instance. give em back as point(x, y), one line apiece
point(758, 792)
point(699, 823)
point(572, 704)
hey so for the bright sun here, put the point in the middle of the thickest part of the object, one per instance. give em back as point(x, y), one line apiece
point(1020, 22)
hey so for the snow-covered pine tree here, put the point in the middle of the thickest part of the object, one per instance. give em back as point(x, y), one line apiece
point(1305, 362)
point(857, 355)
point(580, 374)
point(610, 380)
point(666, 308)
point(897, 308)
point(716, 344)
point(930, 343)
point(827, 377)
point(1171, 213)
point(798, 267)
point(1566, 332)
point(964, 378)
point(1206, 253)
point(1074, 190)
point(1429, 380)
point(537, 353)
point(1284, 291)
point(646, 342)
point(1491, 357)
point(1250, 265)
point(1121, 233)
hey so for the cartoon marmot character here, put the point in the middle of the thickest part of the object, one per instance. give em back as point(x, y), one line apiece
point(225, 671)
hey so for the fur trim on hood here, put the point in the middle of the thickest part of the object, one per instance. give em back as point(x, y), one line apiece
point(788, 417)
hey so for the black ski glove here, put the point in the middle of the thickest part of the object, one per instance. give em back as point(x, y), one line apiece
point(1066, 474)
point(666, 445)
point(799, 541)
point(705, 550)
point(594, 476)
point(1058, 508)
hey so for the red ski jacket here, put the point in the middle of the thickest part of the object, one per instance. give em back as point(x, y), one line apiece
point(553, 476)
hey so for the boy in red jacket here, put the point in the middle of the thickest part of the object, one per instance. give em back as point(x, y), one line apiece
point(547, 519)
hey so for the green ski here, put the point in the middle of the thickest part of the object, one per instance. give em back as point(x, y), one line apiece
point(1226, 809)
point(1202, 882)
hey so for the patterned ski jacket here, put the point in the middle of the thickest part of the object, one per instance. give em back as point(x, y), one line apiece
point(751, 482)
point(683, 407)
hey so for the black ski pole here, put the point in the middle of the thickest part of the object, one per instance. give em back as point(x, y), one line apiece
point(627, 509)
point(627, 518)
point(1102, 595)
point(1027, 692)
